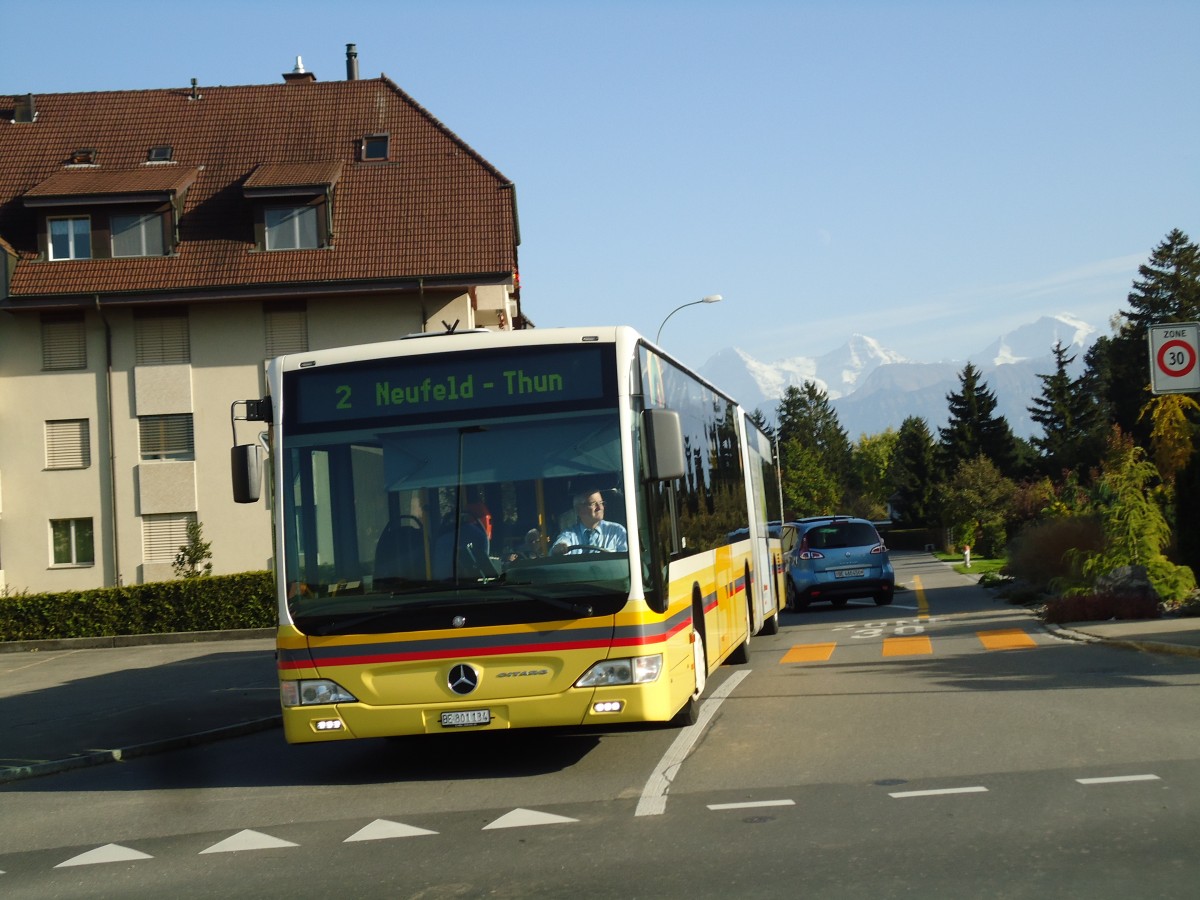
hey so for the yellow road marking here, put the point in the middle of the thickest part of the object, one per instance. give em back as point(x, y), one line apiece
point(922, 603)
point(809, 653)
point(907, 646)
point(1005, 639)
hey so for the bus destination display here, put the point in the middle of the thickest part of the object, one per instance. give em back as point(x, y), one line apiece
point(459, 382)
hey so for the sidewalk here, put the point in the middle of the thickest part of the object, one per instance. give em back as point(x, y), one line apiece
point(70, 704)
point(1167, 635)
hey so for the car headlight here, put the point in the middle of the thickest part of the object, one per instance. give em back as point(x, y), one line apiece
point(632, 670)
point(314, 692)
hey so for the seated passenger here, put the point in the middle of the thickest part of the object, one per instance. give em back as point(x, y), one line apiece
point(590, 530)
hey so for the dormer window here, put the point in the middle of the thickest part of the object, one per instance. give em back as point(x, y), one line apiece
point(291, 228)
point(375, 148)
point(137, 234)
point(70, 237)
point(159, 153)
point(293, 204)
point(84, 156)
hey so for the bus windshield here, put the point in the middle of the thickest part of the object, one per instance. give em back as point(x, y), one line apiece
point(403, 527)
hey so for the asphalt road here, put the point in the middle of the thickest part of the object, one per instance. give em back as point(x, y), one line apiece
point(945, 746)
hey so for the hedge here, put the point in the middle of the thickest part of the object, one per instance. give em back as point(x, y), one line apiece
point(212, 603)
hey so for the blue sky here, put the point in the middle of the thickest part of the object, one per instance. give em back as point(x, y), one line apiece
point(930, 174)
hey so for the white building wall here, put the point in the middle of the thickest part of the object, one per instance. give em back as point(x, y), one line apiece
point(228, 351)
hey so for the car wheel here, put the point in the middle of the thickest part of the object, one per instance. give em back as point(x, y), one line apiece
point(794, 601)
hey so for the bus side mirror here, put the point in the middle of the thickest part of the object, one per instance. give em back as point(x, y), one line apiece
point(663, 438)
point(247, 473)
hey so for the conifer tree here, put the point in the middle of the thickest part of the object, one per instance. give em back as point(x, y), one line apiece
point(1167, 289)
point(1070, 419)
point(912, 472)
point(815, 442)
point(974, 429)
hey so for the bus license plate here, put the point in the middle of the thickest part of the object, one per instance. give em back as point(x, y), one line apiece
point(466, 717)
point(849, 573)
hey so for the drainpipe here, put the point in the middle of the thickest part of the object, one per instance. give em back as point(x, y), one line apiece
point(112, 456)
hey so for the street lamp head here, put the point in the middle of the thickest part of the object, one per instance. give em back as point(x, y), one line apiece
point(711, 298)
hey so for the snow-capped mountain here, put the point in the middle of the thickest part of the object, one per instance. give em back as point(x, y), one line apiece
point(873, 388)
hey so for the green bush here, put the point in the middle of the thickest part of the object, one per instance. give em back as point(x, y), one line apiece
point(1040, 554)
point(216, 603)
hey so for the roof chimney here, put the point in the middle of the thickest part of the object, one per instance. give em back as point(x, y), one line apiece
point(351, 62)
point(24, 109)
point(298, 73)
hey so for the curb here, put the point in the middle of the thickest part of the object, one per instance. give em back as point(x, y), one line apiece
point(135, 640)
point(1143, 646)
point(100, 757)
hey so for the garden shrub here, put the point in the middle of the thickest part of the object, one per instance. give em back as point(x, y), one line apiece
point(215, 603)
point(1042, 552)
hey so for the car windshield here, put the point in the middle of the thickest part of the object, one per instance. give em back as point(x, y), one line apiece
point(834, 535)
point(383, 523)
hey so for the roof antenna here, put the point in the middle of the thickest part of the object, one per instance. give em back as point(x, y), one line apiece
point(195, 91)
point(450, 329)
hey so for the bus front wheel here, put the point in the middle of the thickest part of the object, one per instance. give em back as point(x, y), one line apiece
point(690, 714)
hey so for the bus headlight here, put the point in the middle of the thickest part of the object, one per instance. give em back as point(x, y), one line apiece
point(314, 692)
point(633, 670)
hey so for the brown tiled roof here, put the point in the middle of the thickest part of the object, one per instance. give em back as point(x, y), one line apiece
point(309, 174)
point(435, 209)
point(99, 182)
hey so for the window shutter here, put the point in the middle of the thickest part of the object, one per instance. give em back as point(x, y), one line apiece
point(161, 340)
point(287, 332)
point(68, 444)
point(64, 344)
point(166, 437)
point(163, 534)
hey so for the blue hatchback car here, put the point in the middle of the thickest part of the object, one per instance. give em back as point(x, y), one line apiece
point(836, 558)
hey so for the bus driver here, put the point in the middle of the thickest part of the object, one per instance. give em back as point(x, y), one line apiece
point(591, 530)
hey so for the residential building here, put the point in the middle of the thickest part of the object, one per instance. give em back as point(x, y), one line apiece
point(157, 246)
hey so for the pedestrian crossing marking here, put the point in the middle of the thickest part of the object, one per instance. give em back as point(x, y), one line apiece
point(907, 645)
point(1005, 639)
point(914, 645)
point(810, 653)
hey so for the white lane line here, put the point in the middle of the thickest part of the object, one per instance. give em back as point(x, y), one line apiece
point(653, 801)
point(961, 790)
point(1115, 779)
point(716, 806)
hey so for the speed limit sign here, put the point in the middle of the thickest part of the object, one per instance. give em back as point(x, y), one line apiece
point(1174, 368)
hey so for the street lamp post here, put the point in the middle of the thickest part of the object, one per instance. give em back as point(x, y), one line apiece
point(711, 298)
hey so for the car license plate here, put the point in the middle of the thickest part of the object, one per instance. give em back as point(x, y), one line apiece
point(849, 573)
point(466, 717)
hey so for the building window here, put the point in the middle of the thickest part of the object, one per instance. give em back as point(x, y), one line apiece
point(161, 338)
point(159, 153)
point(291, 227)
point(166, 437)
point(71, 542)
point(287, 331)
point(68, 444)
point(375, 147)
point(163, 534)
point(71, 238)
point(138, 235)
point(64, 342)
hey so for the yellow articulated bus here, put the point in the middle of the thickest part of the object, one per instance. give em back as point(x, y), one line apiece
point(489, 530)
